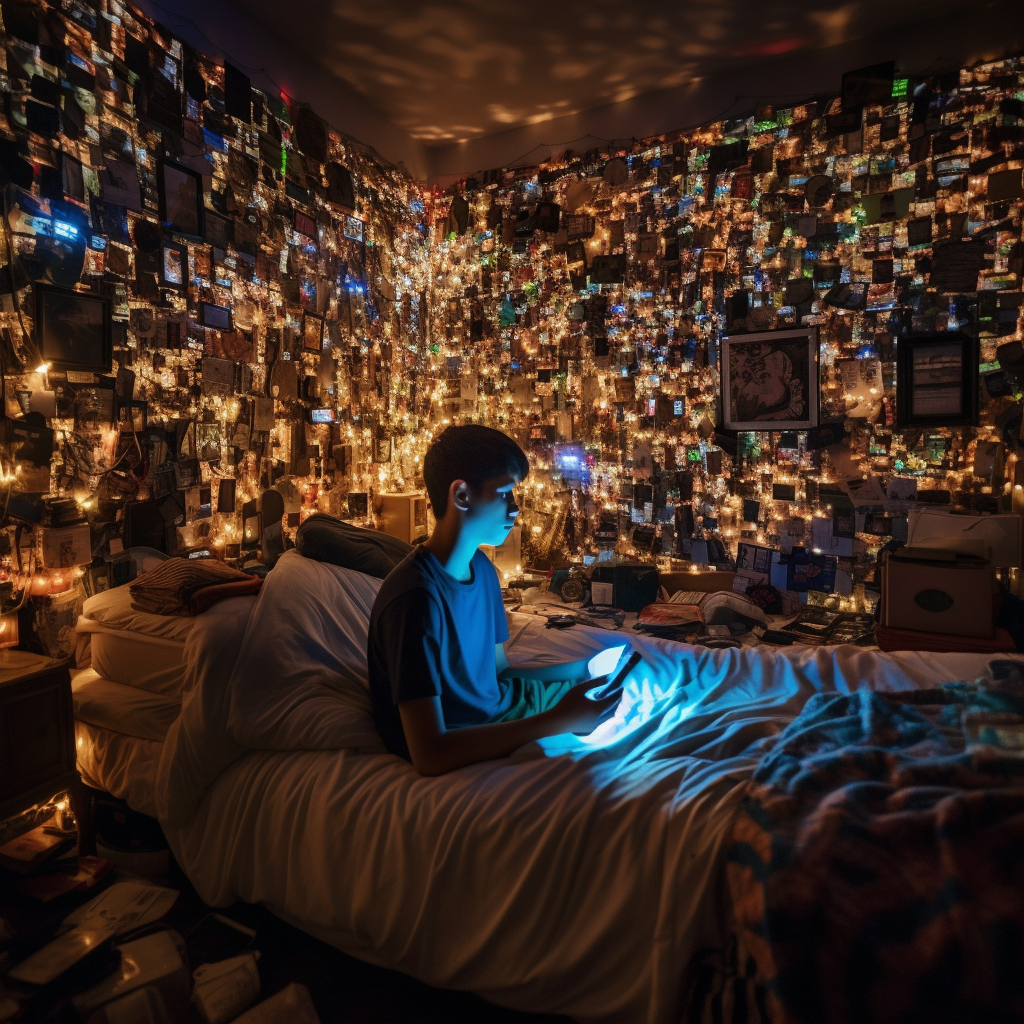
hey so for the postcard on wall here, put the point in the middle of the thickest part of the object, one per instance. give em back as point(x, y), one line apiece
point(119, 185)
point(753, 563)
point(862, 385)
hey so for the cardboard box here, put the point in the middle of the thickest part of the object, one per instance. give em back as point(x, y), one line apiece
point(938, 593)
point(993, 537)
point(404, 515)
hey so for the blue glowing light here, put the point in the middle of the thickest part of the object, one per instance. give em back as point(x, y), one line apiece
point(603, 663)
point(641, 697)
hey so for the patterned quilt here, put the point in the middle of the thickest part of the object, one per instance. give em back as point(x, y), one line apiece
point(877, 865)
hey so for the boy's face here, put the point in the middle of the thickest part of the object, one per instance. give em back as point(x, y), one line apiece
point(492, 510)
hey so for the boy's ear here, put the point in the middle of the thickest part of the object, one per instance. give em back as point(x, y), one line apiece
point(459, 495)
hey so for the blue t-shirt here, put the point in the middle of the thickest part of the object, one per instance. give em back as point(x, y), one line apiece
point(432, 636)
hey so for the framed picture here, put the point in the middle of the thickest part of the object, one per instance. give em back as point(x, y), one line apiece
point(73, 329)
point(134, 415)
point(312, 332)
point(174, 265)
point(217, 317)
point(353, 229)
point(937, 380)
point(181, 198)
point(770, 380)
point(304, 224)
point(217, 229)
point(95, 405)
point(754, 562)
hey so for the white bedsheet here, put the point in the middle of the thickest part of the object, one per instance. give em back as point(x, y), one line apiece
point(124, 766)
point(134, 659)
point(124, 709)
point(574, 877)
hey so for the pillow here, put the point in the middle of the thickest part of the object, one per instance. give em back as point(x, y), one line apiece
point(113, 609)
point(300, 681)
point(326, 539)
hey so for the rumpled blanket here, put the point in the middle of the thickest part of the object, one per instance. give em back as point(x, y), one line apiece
point(877, 863)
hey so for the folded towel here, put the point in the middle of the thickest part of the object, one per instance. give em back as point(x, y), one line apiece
point(167, 589)
point(208, 596)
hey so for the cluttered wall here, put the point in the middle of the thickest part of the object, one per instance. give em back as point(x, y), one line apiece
point(762, 345)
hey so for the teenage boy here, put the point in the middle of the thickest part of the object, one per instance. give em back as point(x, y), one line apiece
point(440, 685)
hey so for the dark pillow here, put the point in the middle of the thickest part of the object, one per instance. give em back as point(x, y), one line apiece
point(326, 539)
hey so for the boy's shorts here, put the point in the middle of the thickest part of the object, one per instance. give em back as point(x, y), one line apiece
point(531, 697)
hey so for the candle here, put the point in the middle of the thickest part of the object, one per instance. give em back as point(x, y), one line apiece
point(9, 629)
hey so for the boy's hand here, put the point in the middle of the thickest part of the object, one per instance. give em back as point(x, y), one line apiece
point(578, 713)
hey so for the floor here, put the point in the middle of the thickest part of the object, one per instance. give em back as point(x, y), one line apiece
point(345, 990)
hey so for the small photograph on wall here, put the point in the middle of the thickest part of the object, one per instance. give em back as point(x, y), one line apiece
point(312, 332)
point(770, 380)
point(181, 199)
point(938, 380)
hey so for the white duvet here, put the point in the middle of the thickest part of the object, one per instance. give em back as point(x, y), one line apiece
point(577, 877)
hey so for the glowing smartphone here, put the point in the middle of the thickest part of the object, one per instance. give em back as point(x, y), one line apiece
point(616, 684)
point(603, 663)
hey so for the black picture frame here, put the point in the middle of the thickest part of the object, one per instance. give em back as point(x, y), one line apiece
point(303, 224)
point(217, 230)
point(134, 415)
point(937, 380)
point(180, 192)
point(216, 317)
point(73, 329)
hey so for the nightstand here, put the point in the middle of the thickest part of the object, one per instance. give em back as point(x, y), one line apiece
point(37, 737)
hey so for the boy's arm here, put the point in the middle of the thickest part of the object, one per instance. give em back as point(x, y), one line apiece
point(436, 749)
point(544, 673)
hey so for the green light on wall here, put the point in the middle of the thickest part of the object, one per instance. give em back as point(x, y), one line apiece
point(900, 87)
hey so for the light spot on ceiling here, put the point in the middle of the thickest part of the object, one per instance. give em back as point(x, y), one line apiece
point(459, 69)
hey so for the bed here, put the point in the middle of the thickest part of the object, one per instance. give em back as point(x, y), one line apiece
point(580, 876)
point(127, 692)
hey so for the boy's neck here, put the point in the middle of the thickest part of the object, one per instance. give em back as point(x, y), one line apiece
point(453, 550)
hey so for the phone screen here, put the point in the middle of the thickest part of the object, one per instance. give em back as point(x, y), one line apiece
point(618, 682)
point(603, 663)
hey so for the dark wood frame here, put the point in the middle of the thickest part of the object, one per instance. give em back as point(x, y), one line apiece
point(306, 318)
point(182, 250)
point(45, 293)
point(162, 191)
point(968, 412)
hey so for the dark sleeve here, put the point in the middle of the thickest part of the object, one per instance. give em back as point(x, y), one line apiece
point(497, 605)
point(409, 633)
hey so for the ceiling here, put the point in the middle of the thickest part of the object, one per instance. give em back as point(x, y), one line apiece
point(451, 87)
point(449, 71)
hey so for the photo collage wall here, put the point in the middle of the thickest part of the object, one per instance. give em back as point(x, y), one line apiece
point(781, 333)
